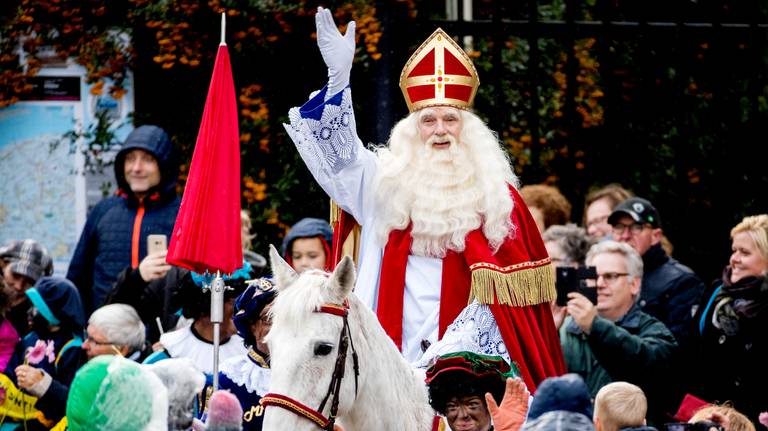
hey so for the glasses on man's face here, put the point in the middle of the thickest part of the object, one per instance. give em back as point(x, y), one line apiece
point(634, 228)
point(94, 342)
point(611, 277)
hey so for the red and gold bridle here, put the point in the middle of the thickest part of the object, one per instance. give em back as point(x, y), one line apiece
point(316, 416)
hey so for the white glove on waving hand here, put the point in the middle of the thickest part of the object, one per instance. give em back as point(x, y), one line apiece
point(337, 50)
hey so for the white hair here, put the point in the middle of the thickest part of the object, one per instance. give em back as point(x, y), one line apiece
point(120, 324)
point(444, 194)
point(633, 259)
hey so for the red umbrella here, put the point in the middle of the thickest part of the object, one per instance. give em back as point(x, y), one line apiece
point(207, 231)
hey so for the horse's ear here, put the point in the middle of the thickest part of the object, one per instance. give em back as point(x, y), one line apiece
point(283, 273)
point(343, 279)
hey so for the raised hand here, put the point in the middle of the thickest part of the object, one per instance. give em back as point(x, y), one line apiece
point(153, 266)
point(582, 310)
point(337, 50)
point(511, 415)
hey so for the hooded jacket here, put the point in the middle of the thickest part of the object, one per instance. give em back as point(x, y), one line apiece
point(57, 300)
point(115, 233)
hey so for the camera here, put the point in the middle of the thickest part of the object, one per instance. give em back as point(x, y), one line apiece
point(571, 279)
point(696, 426)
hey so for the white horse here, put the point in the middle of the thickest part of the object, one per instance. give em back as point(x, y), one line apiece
point(304, 346)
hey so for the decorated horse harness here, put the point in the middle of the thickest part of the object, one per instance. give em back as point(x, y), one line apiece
point(316, 416)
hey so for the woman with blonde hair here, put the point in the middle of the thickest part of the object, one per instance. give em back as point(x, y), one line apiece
point(731, 321)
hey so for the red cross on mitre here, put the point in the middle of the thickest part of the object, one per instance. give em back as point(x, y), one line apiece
point(439, 73)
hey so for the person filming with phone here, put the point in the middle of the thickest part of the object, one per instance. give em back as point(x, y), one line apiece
point(612, 339)
point(115, 234)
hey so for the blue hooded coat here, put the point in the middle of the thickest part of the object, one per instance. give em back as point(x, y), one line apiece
point(118, 226)
point(58, 302)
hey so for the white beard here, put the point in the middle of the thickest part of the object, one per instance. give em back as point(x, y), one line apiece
point(444, 193)
point(444, 199)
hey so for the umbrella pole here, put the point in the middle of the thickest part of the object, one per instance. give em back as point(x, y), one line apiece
point(217, 316)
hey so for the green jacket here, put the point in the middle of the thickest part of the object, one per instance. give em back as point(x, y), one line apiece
point(637, 348)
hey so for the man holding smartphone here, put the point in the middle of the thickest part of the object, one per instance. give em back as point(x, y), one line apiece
point(116, 231)
point(614, 340)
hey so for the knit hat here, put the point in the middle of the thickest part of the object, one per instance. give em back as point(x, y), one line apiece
point(567, 392)
point(183, 381)
point(58, 300)
point(28, 258)
point(249, 305)
point(560, 420)
point(308, 228)
point(114, 393)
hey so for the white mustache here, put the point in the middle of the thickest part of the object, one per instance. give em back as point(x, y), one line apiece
point(441, 139)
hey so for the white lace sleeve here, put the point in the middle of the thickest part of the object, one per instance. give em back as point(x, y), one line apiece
point(474, 330)
point(325, 135)
point(330, 143)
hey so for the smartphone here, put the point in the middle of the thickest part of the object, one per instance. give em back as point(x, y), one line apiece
point(574, 280)
point(156, 243)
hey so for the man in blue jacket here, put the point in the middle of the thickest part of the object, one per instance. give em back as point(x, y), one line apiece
point(115, 233)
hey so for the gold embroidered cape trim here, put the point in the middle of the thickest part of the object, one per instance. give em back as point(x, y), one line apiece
point(529, 283)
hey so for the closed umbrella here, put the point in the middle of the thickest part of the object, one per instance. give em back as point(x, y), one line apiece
point(206, 237)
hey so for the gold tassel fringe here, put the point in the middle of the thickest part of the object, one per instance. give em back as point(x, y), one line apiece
point(518, 288)
point(335, 214)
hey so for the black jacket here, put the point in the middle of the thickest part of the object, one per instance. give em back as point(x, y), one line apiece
point(157, 298)
point(669, 292)
point(731, 363)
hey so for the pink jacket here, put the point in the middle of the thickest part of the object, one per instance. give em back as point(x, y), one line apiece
point(8, 339)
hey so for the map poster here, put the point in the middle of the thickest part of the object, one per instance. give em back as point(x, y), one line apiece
point(37, 194)
point(45, 192)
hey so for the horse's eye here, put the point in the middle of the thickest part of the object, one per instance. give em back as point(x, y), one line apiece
point(323, 349)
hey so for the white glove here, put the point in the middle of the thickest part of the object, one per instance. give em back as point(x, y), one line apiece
point(338, 51)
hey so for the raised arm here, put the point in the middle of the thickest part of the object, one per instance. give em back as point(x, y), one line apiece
point(324, 131)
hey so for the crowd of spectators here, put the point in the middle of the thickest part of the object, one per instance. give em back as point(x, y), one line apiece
point(640, 335)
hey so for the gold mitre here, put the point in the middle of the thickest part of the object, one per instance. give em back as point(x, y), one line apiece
point(439, 73)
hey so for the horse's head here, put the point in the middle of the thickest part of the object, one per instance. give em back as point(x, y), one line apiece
point(308, 336)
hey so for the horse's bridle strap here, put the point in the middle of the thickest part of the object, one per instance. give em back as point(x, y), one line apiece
point(338, 310)
point(316, 416)
point(294, 406)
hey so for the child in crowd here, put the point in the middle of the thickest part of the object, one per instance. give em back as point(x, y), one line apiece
point(620, 406)
point(308, 245)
